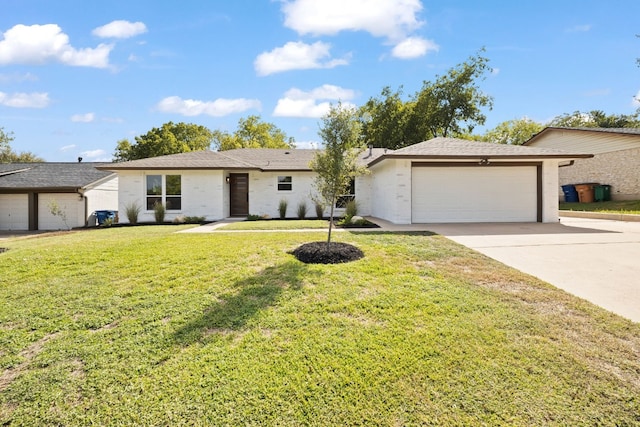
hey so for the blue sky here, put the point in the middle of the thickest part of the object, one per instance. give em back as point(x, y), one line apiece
point(78, 76)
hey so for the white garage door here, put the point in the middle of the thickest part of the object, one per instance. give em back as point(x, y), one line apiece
point(474, 194)
point(14, 212)
point(70, 204)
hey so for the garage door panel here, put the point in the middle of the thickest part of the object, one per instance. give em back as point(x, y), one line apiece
point(474, 194)
point(14, 212)
point(68, 203)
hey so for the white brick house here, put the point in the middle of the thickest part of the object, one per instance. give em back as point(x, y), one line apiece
point(441, 180)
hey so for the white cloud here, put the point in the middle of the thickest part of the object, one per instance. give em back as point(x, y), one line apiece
point(25, 100)
point(636, 100)
point(296, 56)
point(495, 71)
point(298, 103)
point(414, 47)
point(307, 145)
point(92, 154)
point(68, 147)
point(83, 118)
point(120, 29)
point(579, 29)
point(393, 19)
point(40, 44)
point(219, 107)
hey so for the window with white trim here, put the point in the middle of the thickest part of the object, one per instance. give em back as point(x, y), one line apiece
point(165, 189)
point(285, 183)
point(343, 199)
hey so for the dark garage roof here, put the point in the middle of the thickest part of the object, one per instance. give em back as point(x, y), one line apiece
point(49, 176)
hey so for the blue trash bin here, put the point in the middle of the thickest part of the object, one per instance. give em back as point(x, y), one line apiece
point(102, 216)
point(570, 193)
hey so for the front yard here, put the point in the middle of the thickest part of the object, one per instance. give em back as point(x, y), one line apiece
point(612, 206)
point(143, 326)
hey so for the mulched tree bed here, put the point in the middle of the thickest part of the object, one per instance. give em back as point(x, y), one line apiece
point(327, 253)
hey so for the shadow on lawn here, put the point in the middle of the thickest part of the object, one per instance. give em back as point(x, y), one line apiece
point(246, 298)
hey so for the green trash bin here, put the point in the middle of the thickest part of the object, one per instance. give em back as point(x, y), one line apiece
point(602, 193)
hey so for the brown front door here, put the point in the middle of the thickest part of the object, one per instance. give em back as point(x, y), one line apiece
point(239, 194)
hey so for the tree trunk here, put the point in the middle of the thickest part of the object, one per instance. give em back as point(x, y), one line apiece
point(333, 203)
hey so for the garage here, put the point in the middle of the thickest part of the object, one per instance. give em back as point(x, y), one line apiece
point(459, 192)
point(71, 206)
point(14, 214)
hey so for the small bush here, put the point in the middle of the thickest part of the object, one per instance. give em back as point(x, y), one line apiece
point(132, 211)
point(252, 217)
point(159, 212)
point(351, 209)
point(108, 222)
point(319, 209)
point(282, 208)
point(184, 219)
point(302, 210)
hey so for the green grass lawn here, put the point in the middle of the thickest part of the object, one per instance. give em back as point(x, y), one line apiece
point(143, 326)
point(618, 206)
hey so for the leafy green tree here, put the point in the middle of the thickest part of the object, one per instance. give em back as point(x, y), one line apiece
point(384, 119)
point(7, 155)
point(596, 119)
point(337, 164)
point(452, 104)
point(171, 138)
point(514, 132)
point(252, 132)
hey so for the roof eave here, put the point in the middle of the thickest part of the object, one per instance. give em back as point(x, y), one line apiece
point(479, 156)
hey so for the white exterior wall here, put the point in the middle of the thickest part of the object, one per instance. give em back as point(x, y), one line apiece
point(264, 196)
point(72, 204)
point(202, 194)
point(550, 187)
point(103, 196)
point(14, 212)
point(391, 191)
point(364, 193)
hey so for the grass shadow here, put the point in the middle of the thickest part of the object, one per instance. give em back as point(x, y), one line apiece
point(245, 299)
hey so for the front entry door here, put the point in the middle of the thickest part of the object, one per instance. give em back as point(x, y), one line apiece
point(239, 194)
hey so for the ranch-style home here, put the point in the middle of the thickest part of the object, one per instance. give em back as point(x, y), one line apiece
point(28, 190)
point(616, 159)
point(436, 181)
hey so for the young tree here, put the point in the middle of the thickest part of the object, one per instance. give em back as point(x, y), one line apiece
point(252, 132)
point(514, 132)
point(171, 138)
point(337, 164)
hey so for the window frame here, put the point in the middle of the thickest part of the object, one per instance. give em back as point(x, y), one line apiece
point(282, 183)
point(155, 195)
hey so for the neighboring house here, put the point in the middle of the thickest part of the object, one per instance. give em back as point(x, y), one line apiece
point(28, 190)
point(616, 159)
point(440, 180)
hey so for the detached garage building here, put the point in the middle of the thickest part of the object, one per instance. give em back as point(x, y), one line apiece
point(27, 190)
point(437, 181)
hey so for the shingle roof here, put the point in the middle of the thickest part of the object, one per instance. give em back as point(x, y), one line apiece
point(620, 131)
point(51, 176)
point(453, 148)
point(264, 159)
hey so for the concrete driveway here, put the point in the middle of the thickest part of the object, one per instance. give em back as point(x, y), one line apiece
point(595, 259)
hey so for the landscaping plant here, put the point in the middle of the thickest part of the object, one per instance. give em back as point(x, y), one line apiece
point(132, 211)
point(282, 208)
point(159, 212)
point(302, 210)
